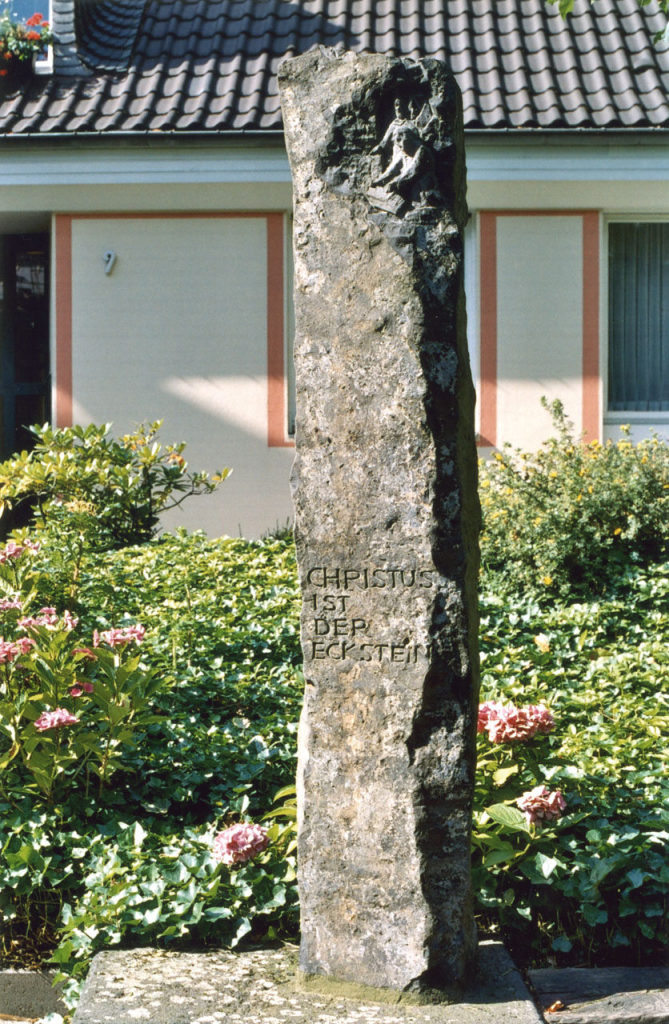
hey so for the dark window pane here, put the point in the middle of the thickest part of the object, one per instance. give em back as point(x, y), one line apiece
point(31, 329)
point(639, 317)
point(24, 339)
point(28, 411)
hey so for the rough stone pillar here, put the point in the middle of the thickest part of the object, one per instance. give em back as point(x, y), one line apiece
point(387, 521)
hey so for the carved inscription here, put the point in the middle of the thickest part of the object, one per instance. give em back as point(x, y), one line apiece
point(339, 624)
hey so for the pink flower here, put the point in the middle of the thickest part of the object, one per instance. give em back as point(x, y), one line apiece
point(23, 644)
point(541, 805)
point(542, 717)
point(240, 843)
point(79, 688)
point(46, 618)
point(505, 723)
point(55, 719)
point(8, 650)
point(70, 621)
point(119, 637)
point(12, 550)
point(487, 711)
point(8, 603)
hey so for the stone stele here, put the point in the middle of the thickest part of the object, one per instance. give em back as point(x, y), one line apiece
point(387, 522)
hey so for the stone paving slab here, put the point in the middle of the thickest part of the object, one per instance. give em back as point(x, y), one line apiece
point(605, 995)
point(146, 986)
point(28, 994)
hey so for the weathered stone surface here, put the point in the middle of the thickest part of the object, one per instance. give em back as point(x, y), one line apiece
point(29, 994)
point(386, 521)
point(603, 995)
point(152, 986)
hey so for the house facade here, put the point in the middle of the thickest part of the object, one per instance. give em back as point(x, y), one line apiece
point(145, 208)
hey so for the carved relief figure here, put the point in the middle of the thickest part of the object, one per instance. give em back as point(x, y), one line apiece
point(410, 161)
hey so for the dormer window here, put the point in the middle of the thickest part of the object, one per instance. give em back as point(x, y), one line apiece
point(33, 14)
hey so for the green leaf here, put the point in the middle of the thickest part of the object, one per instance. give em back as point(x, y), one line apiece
point(502, 855)
point(138, 836)
point(217, 913)
point(502, 775)
point(594, 915)
point(545, 865)
point(509, 817)
point(636, 877)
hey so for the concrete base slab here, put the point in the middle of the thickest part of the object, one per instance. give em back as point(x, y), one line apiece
point(603, 995)
point(147, 986)
point(28, 994)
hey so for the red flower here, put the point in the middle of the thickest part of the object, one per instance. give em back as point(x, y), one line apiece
point(3, 71)
point(33, 35)
point(36, 19)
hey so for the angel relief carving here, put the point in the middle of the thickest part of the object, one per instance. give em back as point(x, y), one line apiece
point(408, 172)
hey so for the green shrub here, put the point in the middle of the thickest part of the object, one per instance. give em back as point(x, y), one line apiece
point(571, 517)
point(96, 492)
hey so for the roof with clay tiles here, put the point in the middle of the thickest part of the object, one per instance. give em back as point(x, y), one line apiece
point(209, 66)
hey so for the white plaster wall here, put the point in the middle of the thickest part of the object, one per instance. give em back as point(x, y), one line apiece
point(178, 332)
point(539, 324)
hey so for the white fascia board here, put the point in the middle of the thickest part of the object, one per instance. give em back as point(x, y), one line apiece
point(546, 158)
point(114, 165)
point(596, 158)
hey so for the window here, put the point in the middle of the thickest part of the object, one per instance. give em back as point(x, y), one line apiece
point(24, 339)
point(21, 10)
point(638, 376)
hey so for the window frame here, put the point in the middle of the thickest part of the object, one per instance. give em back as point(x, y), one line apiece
point(617, 417)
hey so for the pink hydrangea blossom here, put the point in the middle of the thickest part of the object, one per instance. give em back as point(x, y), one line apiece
point(10, 649)
point(13, 551)
point(55, 719)
point(23, 644)
point(46, 617)
point(505, 723)
point(70, 621)
point(487, 711)
point(239, 843)
point(540, 804)
point(81, 687)
point(119, 637)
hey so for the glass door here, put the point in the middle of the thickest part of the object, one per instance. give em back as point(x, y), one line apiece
point(25, 383)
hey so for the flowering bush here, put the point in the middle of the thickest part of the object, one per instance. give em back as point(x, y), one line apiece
point(41, 673)
point(19, 43)
point(570, 517)
point(240, 843)
point(585, 883)
point(187, 717)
